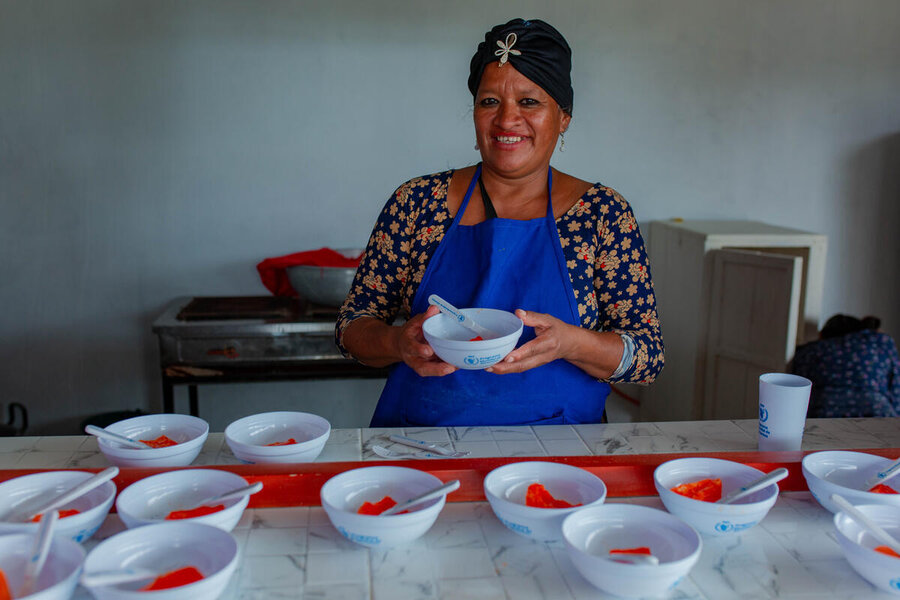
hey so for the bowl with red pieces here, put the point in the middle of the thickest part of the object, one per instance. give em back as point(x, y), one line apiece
point(168, 440)
point(175, 560)
point(876, 562)
point(853, 475)
point(79, 519)
point(532, 498)
point(355, 501)
point(183, 495)
point(278, 437)
point(690, 488)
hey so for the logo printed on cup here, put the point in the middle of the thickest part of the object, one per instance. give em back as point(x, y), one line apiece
point(763, 414)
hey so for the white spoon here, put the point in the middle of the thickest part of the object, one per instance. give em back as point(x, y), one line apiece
point(877, 532)
point(465, 321)
point(103, 578)
point(26, 513)
point(109, 436)
point(882, 476)
point(422, 445)
point(229, 495)
point(38, 554)
point(635, 559)
point(755, 486)
point(437, 492)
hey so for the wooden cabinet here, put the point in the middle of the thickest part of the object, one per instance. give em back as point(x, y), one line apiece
point(734, 298)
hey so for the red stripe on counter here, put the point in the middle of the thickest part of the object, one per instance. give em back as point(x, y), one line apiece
point(624, 475)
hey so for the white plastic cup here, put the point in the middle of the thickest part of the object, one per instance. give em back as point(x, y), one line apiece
point(783, 400)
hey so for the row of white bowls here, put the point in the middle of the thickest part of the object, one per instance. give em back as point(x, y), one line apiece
point(248, 439)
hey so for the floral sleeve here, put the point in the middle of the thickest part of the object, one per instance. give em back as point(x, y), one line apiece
point(410, 226)
point(627, 303)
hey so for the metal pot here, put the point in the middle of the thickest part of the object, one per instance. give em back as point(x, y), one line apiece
point(324, 285)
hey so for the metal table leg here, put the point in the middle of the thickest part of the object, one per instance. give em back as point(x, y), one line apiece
point(192, 398)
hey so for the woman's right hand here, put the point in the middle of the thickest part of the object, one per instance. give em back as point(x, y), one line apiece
point(415, 351)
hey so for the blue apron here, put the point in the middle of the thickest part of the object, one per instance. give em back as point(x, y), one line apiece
point(505, 264)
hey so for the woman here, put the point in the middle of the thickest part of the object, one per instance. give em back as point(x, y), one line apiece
point(854, 369)
point(514, 234)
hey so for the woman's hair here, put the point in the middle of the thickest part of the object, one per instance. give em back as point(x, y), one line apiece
point(839, 325)
point(536, 50)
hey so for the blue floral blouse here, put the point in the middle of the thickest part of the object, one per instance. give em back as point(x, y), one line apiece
point(854, 375)
point(604, 252)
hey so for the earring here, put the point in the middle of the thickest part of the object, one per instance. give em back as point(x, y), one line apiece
point(562, 141)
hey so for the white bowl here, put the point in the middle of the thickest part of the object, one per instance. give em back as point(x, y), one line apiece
point(248, 437)
point(343, 494)
point(189, 432)
point(149, 500)
point(164, 547)
point(592, 532)
point(858, 546)
point(710, 518)
point(841, 472)
point(505, 488)
point(59, 576)
point(93, 506)
point(451, 341)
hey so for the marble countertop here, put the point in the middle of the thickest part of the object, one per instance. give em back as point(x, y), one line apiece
point(294, 552)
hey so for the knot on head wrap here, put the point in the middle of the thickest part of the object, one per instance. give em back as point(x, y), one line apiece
point(538, 51)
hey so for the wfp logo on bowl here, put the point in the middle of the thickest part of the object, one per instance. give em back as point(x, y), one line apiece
point(476, 361)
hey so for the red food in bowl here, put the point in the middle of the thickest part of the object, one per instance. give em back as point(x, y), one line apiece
point(194, 512)
point(538, 497)
point(62, 514)
point(172, 579)
point(162, 441)
point(368, 508)
point(287, 442)
point(882, 489)
point(638, 550)
point(706, 490)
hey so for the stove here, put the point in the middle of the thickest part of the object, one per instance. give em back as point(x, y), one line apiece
point(216, 339)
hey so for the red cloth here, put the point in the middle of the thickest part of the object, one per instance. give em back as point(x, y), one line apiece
point(274, 277)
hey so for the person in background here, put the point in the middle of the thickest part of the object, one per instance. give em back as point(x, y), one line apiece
point(854, 369)
point(514, 234)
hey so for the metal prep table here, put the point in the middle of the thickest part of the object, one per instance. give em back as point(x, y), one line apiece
point(205, 340)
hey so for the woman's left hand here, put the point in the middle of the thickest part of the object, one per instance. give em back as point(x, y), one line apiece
point(553, 340)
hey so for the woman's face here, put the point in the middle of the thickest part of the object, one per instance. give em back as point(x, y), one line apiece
point(516, 122)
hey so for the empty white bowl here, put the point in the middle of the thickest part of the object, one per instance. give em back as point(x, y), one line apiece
point(858, 546)
point(710, 518)
point(841, 472)
point(592, 532)
point(451, 341)
point(188, 432)
point(39, 487)
point(249, 437)
point(149, 500)
point(505, 488)
point(343, 494)
point(165, 547)
point(58, 578)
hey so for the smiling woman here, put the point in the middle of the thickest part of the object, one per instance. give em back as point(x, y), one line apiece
point(514, 234)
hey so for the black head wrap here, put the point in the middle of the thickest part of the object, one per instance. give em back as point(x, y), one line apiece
point(539, 52)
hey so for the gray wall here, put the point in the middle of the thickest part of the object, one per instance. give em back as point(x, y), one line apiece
point(156, 149)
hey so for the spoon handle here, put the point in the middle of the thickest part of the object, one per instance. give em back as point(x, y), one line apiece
point(755, 486)
point(113, 437)
point(634, 559)
point(882, 476)
point(235, 493)
point(880, 534)
point(102, 578)
point(76, 492)
point(429, 495)
point(39, 553)
point(462, 319)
